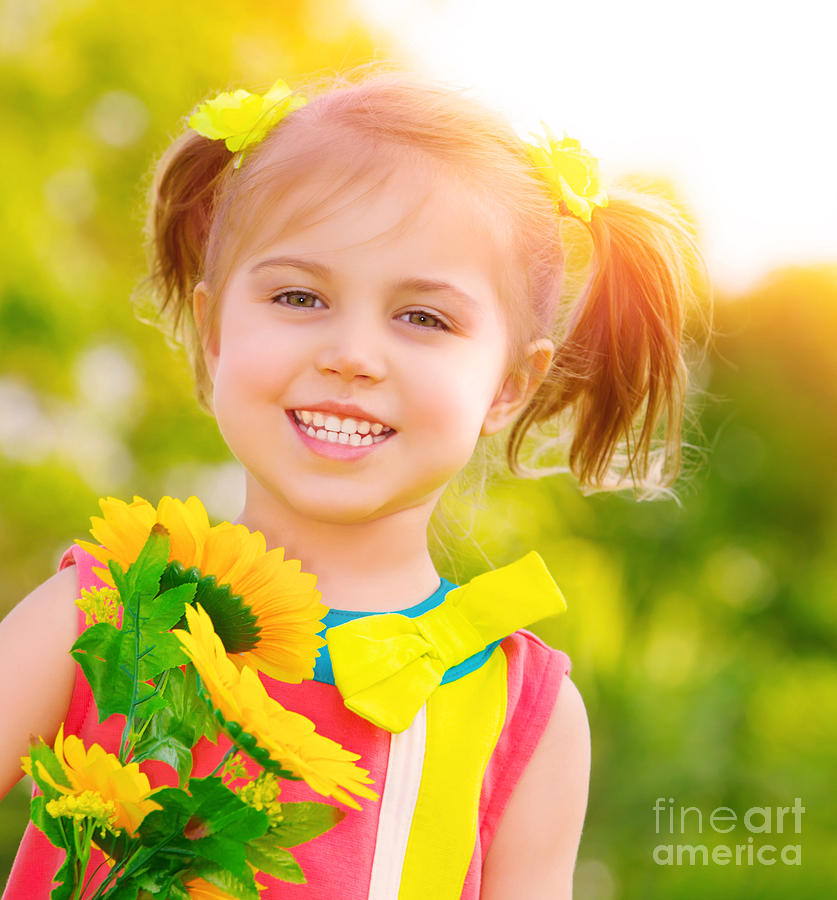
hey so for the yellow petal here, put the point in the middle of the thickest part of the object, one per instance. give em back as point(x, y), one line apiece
point(288, 737)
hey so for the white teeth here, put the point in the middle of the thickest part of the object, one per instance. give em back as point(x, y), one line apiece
point(334, 430)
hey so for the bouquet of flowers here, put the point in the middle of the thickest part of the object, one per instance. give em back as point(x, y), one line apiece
point(188, 617)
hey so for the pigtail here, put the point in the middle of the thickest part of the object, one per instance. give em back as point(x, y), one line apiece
point(181, 207)
point(618, 374)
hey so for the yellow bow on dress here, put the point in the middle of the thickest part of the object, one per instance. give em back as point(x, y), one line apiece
point(387, 665)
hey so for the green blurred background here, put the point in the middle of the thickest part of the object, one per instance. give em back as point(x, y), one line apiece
point(702, 633)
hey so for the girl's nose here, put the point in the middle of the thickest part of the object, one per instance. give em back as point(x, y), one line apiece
point(351, 353)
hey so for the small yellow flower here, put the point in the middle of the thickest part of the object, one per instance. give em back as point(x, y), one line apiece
point(95, 772)
point(86, 805)
point(233, 769)
point(288, 738)
point(240, 118)
point(99, 605)
point(282, 598)
point(262, 793)
point(571, 172)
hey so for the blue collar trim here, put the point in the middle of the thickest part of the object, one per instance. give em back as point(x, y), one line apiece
point(322, 667)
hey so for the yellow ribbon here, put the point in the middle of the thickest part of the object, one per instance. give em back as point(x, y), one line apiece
point(387, 665)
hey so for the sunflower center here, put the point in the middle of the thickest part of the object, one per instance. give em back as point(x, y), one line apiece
point(233, 620)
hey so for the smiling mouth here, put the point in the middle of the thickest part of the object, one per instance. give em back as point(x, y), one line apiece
point(336, 430)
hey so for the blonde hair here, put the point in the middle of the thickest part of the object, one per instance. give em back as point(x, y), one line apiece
point(618, 374)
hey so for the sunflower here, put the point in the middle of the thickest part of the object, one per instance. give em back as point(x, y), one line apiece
point(97, 775)
point(270, 613)
point(262, 727)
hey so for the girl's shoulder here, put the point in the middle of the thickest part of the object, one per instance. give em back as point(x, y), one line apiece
point(35, 664)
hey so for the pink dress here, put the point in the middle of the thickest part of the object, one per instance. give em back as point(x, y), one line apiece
point(397, 847)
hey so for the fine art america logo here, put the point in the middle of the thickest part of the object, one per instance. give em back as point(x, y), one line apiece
point(770, 835)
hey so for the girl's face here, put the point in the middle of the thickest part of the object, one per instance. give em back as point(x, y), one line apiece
point(380, 320)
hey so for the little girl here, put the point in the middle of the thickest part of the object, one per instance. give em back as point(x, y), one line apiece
point(369, 278)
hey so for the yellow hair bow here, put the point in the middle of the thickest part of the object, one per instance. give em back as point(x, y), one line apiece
point(571, 171)
point(242, 119)
point(387, 665)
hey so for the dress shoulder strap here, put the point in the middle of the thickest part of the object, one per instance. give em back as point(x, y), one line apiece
point(535, 673)
point(81, 702)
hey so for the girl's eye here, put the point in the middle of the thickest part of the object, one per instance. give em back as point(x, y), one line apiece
point(296, 299)
point(425, 320)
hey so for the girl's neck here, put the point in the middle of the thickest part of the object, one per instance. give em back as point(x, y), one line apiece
point(377, 566)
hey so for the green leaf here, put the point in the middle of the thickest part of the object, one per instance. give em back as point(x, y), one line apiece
point(63, 878)
point(188, 717)
point(303, 821)
point(99, 651)
point(179, 724)
point(207, 828)
point(176, 809)
point(267, 856)
point(143, 575)
point(168, 749)
point(145, 625)
point(149, 705)
point(226, 852)
point(44, 754)
point(177, 891)
point(159, 651)
point(167, 609)
point(117, 846)
point(106, 655)
point(162, 873)
point(224, 812)
point(244, 889)
point(51, 827)
point(125, 890)
point(119, 663)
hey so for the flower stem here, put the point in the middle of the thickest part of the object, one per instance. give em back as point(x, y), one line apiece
point(129, 870)
point(223, 761)
point(124, 748)
point(81, 843)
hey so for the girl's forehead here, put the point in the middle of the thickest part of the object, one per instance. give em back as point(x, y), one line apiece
point(324, 209)
point(420, 209)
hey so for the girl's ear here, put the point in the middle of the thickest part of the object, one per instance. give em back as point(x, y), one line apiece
point(208, 336)
point(519, 386)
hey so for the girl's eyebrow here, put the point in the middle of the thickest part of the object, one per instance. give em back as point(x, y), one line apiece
point(295, 262)
point(422, 285)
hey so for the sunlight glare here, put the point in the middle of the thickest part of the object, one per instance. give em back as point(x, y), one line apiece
point(730, 99)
